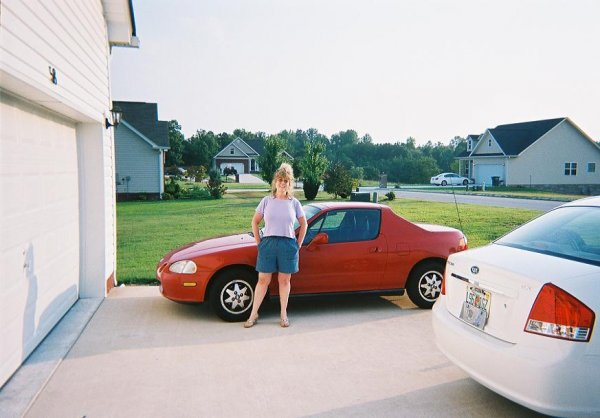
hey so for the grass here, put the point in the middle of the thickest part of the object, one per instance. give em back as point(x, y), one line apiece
point(146, 231)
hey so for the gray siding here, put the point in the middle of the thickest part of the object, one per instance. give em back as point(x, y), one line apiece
point(136, 159)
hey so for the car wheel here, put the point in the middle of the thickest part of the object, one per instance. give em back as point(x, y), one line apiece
point(465, 182)
point(424, 284)
point(232, 294)
point(444, 183)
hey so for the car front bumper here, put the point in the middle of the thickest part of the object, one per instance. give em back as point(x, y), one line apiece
point(551, 376)
point(182, 287)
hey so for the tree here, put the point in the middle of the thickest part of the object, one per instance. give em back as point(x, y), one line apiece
point(176, 141)
point(313, 166)
point(215, 184)
point(200, 148)
point(271, 158)
point(197, 172)
point(229, 171)
point(338, 181)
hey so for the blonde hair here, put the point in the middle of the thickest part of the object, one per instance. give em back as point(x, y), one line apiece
point(284, 172)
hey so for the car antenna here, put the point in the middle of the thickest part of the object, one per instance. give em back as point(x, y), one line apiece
point(457, 211)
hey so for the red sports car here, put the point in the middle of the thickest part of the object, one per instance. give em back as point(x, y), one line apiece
point(349, 247)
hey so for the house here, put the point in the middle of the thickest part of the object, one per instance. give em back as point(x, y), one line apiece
point(58, 197)
point(242, 155)
point(141, 141)
point(554, 154)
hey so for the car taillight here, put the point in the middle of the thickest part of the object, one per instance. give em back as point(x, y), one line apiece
point(463, 244)
point(556, 313)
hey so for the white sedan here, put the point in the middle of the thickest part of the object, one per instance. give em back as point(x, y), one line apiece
point(518, 315)
point(445, 179)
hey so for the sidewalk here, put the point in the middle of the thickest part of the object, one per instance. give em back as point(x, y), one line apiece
point(142, 355)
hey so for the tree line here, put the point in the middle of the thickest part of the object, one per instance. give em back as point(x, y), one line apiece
point(342, 154)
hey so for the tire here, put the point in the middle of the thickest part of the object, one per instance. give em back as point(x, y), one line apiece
point(232, 294)
point(424, 284)
point(465, 182)
point(444, 183)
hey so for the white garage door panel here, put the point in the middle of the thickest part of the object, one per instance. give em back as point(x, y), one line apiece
point(239, 167)
point(485, 172)
point(39, 226)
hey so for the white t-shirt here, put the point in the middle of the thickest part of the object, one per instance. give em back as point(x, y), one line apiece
point(279, 215)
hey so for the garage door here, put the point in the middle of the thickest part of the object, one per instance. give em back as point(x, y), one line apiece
point(485, 172)
point(239, 167)
point(39, 226)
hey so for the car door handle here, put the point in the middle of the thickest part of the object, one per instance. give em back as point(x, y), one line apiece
point(375, 250)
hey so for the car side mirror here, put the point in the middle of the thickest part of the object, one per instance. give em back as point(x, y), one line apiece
point(320, 238)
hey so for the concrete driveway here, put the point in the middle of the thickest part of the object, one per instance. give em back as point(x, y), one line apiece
point(141, 355)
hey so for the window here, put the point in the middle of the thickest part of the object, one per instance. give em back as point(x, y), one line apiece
point(591, 167)
point(232, 151)
point(346, 225)
point(469, 145)
point(489, 142)
point(570, 169)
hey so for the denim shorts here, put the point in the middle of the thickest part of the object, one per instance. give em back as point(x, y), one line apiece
point(277, 254)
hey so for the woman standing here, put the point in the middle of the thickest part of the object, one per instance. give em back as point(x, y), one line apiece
point(278, 249)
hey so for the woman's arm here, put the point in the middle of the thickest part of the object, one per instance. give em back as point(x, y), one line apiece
point(255, 222)
point(302, 232)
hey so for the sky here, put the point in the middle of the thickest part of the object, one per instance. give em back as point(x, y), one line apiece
point(393, 69)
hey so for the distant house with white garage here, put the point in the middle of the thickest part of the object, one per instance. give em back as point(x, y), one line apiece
point(141, 141)
point(242, 155)
point(57, 227)
point(553, 153)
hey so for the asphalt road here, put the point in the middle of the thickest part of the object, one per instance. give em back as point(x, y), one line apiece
point(505, 202)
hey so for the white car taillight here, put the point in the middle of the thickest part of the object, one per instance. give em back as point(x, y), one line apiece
point(556, 313)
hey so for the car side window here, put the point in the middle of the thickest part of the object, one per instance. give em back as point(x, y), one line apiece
point(330, 223)
point(346, 225)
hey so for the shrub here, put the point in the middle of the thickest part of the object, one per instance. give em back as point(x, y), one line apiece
point(215, 185)
point(390, 195)
point(198, 193)
point(167, 196)
point(173, 188)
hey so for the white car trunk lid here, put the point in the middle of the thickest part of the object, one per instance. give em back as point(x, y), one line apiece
point(511, 281)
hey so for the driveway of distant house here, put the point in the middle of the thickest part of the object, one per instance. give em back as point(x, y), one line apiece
point(251, 179)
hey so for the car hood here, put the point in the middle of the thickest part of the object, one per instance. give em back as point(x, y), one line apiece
point(195, 249)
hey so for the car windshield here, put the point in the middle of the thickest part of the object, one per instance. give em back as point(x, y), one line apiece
point(309, 212)
point(571, 232)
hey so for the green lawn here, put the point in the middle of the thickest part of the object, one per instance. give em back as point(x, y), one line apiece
point(148, 230)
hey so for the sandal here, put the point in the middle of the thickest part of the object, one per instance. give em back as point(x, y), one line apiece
point(250, 322)
point(284, 322)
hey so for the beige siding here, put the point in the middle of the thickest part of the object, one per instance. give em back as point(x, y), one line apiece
point(57, 167)
point(69, 36)
point(485, 147)
point(544, 161)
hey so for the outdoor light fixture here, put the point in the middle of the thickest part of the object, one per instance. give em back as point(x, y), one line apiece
point(116, 116)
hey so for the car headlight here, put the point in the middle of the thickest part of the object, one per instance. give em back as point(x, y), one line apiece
point(183, 267)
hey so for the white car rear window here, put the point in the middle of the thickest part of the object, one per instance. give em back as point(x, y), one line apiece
point(571, 232)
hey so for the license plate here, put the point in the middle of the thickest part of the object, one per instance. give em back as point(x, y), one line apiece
point(475, 309)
